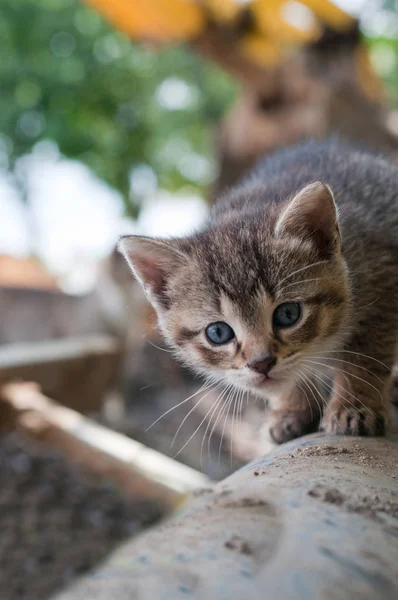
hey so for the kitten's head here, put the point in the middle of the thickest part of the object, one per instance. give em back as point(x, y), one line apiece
point(255, 293)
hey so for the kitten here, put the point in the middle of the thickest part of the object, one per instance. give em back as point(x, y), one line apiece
point(290, 290)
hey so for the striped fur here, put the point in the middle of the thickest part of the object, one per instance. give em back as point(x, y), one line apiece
point(278, 237)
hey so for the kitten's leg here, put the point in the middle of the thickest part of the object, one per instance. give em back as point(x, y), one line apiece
point(297, 414)
point(360, 398)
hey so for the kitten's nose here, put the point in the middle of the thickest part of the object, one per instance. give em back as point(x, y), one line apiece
point(262, 364)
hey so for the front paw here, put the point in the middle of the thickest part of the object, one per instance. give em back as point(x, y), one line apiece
point(284, 425)
point(341, 420)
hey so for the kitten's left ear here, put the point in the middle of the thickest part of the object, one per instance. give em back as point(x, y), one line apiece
point(312, 214)
point(153, 262)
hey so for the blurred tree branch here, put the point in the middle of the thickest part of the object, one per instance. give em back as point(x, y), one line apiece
point(117, 105)
point(67, 76)
point(303, 67)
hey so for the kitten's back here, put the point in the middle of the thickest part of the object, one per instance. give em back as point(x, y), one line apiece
point(365, 185)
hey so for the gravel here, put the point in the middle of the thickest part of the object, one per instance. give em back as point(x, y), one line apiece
point(56, 522)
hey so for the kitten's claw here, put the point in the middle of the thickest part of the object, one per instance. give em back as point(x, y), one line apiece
point(349, 421)
point(284, 426)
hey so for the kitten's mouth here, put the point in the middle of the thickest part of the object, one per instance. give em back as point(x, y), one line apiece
point(265, 381)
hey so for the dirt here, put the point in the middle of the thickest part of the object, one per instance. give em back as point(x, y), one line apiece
point(330, 495)
point(373, 506)
point(356, 452)
point(202, 492)
point(239, 544)
point(309, 451)
point(324, 450)
point(379, 504)
point(56, 522)
point(244, 503)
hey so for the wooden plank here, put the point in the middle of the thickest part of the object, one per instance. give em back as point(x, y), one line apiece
point(74, 371)
point(315, 519)
point(140, 472)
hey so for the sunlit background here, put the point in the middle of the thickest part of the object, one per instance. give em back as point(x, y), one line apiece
point(136, 125)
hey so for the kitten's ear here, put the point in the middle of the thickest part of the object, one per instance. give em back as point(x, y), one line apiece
point(312, 214)
point(153, 262)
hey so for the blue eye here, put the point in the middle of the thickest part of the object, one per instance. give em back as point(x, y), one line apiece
point(287, 314)
point(219, 333)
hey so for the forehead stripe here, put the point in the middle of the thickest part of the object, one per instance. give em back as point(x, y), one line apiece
point(327, 298)
point(185, 334)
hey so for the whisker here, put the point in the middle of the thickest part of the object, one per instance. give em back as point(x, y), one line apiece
point(349, 363)
point(357, 354)
point(191, 411)
point(319, 262)
point(306, 397)
point(330, 389)
point(201, 389)
point(307, 381)
point(238, 407)
point(323, 399)
point(159, 348)
point(228, 390)
point(214, 409)
point(196, 430)
point(228, 403)
point(297, 282)
point(237, 415)
point(350, 375)
point(320, 377)
point(367, 305)
point(242, 398)
point(369, 410)
point(311, 386)
point(215, 406)
point(335, 392)
point(231, 447)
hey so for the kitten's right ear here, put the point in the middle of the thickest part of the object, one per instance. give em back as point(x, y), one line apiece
point(312, 215)
point(152, 261)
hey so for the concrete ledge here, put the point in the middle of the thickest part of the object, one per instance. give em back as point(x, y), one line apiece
point(142, 473)
point(315, 519)
point(74, 371)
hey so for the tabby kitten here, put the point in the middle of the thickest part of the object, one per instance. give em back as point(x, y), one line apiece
point(290, 290)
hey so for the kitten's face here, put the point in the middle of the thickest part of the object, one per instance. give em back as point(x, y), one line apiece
point(249, 301)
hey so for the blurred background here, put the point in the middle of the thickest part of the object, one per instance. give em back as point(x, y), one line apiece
point(130, 116)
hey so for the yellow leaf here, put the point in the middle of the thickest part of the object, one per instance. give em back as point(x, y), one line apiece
point(158, 20)
point(224, 10)
point(271, 20)
point(331, 14)
point(260, 50)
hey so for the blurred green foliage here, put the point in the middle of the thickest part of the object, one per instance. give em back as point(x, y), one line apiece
point(381, 33)
point(380, 28)
point(384, 55)
point(67, 76)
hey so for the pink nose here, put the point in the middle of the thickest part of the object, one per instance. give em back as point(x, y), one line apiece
point(262, 364)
